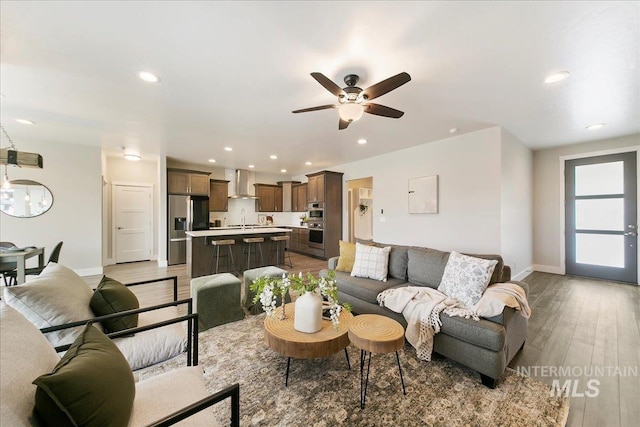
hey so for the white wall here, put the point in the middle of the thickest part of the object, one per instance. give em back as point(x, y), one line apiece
point(120, 170)
point(516, 216)
point(470, 196)
point(547, 183)
point(73, 174)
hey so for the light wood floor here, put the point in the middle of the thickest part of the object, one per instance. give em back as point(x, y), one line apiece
point(576, 323)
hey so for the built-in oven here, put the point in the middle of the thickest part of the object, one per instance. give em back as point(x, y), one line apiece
point(316, 238)
point(316, 211)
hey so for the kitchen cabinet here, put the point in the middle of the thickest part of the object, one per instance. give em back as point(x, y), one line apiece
point(218, 192)
point(299, 198)
point(269, 198)
point(315, 189)
point(181, 181)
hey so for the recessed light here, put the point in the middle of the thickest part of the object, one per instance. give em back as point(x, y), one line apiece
point(283, 170)
point(595, 126)
point(308, 163)
point(556, 77)
point(212, 160)
point(132, 157)
point(273, 157)
point(252, 166)
point(453, 130)
point(25, 121)
point(228, 149)
point(148, 77)
point(362, 141)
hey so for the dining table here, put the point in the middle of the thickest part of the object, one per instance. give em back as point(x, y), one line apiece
point(20, 256)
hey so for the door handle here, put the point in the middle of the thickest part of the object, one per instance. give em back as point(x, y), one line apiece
point(119, 228)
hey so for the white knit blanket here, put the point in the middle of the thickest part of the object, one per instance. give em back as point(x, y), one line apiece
point(421, 307)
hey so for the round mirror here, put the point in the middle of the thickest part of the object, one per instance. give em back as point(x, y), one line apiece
point(25, 199)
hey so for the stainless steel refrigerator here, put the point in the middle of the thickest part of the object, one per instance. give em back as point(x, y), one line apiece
point(185, 213)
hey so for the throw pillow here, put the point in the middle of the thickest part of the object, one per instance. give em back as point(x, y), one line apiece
point(371, 262)
point(347, 257)
point(91, 386)
point(55, 297)
point(25, 355)
point(465, 278)
point(112, 297)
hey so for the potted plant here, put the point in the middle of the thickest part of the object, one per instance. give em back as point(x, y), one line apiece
point(309, 305)
point(303, 219)
point(363, 208)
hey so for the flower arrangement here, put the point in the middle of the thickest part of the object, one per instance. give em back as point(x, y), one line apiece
point(267, 289)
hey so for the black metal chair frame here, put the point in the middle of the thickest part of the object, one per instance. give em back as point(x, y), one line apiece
point(232, 391)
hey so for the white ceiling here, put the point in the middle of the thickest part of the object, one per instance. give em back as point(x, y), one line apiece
point(232, 72)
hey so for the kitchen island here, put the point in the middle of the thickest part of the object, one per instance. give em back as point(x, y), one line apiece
point(200, 252)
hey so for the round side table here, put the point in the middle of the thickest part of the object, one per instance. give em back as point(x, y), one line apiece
point(373, 333)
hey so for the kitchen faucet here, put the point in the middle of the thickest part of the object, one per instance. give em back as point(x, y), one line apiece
point(242, 220)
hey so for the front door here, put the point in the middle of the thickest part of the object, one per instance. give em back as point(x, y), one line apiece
point(133, 223)
point(601, 217)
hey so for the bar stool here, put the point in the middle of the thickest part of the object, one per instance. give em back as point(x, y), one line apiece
point(256, 243)
point(216, 255)
point(276, 247)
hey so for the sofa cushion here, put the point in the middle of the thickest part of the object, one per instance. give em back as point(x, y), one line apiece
point(426, 266)
point(91, 386)
point(398, 261)
point(347, 256)
point(156, 345)
point(112, 297)
point(484, 333)
point(465, 278)
point(365, 289)
point(371, 262)
point(55, 297)
point(26, 354)
point(156, 397)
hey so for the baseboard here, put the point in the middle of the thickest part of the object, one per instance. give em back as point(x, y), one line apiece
point(95, 271)
point(163, 263)
point(524, 273)
point(548, 269)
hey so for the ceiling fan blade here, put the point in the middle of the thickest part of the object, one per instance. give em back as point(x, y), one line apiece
point(328, 84)
point(381, 110)
point(321, 107)
point(343, 124)
point(387, 85)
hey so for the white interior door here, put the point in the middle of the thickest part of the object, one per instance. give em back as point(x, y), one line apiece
point(133, 222)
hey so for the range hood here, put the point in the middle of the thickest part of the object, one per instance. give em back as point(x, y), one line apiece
point(241, 184)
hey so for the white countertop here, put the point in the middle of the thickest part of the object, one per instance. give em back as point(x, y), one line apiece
point(258, 226)
point(219, 231)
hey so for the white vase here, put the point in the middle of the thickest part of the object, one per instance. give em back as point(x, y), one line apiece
point(308, 313)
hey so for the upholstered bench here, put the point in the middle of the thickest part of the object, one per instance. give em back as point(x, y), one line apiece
point(216, 299)
point(253, 274)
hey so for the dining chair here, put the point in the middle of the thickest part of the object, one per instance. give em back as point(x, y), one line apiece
point(13, 275)
point(6, 267)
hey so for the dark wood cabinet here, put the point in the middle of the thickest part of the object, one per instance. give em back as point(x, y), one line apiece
point(269, 198)
point(315, 189)
point(187, 182)
point(299, 198)
point(218, 195)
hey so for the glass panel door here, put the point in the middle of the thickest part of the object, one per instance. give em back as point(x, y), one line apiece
point(601, 217)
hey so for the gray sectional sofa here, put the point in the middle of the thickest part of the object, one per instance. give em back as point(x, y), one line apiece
point(486, 346)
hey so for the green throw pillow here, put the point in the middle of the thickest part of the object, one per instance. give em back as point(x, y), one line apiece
point(92, 385)
point(112, 297)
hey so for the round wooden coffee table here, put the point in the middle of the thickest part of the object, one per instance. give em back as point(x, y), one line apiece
point(280, 336)
point(373, 333)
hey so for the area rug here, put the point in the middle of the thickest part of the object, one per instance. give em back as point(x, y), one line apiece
point(324, 392)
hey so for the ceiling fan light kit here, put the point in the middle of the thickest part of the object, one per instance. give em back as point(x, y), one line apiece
point(353, 101)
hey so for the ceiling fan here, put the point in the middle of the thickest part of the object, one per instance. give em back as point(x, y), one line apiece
point(354, 101)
